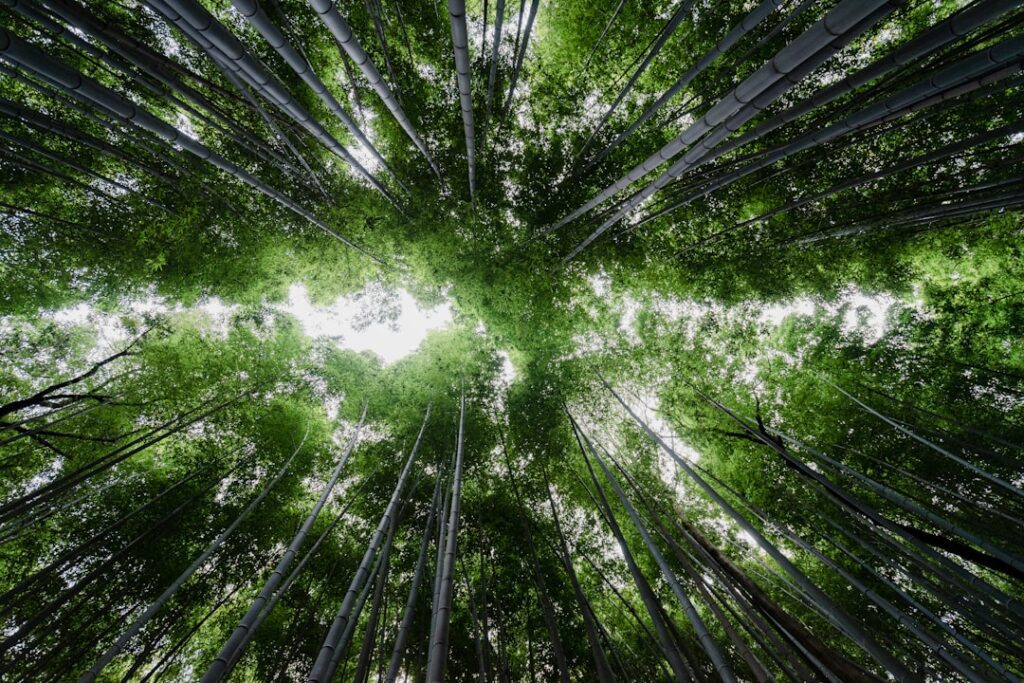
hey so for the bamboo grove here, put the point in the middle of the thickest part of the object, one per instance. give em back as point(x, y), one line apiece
point(733, 387)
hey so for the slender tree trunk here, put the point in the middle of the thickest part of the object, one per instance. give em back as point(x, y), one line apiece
point(23, 53)
point(69, 593)
point(401, 638)
point(335, 643)
point(666, 32)
point(834, 613)
point(601, 666)
point(757, 15)
point(722, 667)
point(520, 57)
point(439, 638)
point(235, 644)
point(342, 32)
point(547, 609)
point(460, 42)
point(680, 670)
point(196, 564)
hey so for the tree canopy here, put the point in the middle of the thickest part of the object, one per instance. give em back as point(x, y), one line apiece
point(732, 389)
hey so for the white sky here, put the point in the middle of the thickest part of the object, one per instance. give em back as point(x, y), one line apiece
point(390, 341)
point(339, 321)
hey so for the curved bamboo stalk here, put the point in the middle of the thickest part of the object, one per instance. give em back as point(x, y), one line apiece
point(918, 161)
point(41, 121)
point(74, 165)
point(78, 586)
point(143, 65)
point(76, 551)
point(930, 444)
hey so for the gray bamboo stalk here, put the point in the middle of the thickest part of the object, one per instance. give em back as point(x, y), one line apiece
point(936, 37)
point(914, 162)
point(164, 430)
point(902, 501)
point(722, 667)
point(439, 638)
point(220, 667)
point(460, 42)
point(601, 665)
point(647, 595)
point(834, 614)
point(41, 121)
point(18, 51)
point(357, 611)
point(666, 33)
point(132, 53)
point(274, 129)
point(77, 550)
point(293, 576)
point(220, 44)
point(334, 644)
point(980, 69)
point(930, 444)
point(140, 622)
point(164, 661)
point(600, 39)
point(746, 25)
point(74, 165)
point(706, 560)
point(914, 603)
point(759, 101)
point(167, 155)
point(474, 618)
point(547, 609)
point(790, 628)
point(342, 32)
point(950, 571)
point(370, 630)
point(442, 536)
point(13, 156)
point(838, 22)
point(255, 15)
point(690, 564)
point(402, 637)
point(521, 56)
point(499, 22)
point(78, 586)
point(887, 607)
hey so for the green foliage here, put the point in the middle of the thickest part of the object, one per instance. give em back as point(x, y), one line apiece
point(731, 310)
